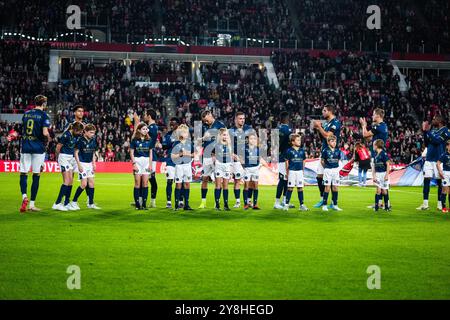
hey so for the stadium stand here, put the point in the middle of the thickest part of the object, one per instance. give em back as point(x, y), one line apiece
point(23, 69)
point(407, 26)
point(355, 83)
point(404, 23)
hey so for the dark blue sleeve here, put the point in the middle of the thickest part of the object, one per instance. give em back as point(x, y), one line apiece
point(133, 144)
point(324, 154)
point(45, 121)
point(166, 141)
point(288, 155)
point(153, 136)
point(425, 138)
point(78, 144)
point(374, 129)
point(434, 138)
point(335, 126)
point(446, 135)
point(63, 138)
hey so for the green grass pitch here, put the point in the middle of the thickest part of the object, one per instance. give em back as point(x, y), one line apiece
point(270, 254)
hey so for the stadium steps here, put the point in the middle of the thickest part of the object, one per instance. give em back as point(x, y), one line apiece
point(403, 88)
point(54, 68)
point(402, 85)
point(198, 74)
point(271, 74)
point(171, 106)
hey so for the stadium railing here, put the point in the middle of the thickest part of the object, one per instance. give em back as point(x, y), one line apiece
point(229, 40)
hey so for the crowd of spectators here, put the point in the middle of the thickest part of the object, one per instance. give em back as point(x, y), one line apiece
point(136, 20)
point(357, 84)
point(354, 83)
point(233, 73)
point(23, 69)
point(412, 23)
point(159, 70)
point(404, 23)
point(255, 18)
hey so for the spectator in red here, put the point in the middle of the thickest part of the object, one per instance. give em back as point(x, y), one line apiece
point(362, 156)
point(109, 156)
point(346, 150)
